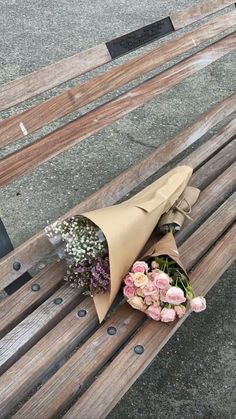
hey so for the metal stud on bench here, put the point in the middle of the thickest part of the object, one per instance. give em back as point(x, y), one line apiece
point(99, 355)
point(82, 312)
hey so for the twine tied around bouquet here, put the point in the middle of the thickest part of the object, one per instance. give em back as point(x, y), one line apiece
point(174, 218)
point(180, 207)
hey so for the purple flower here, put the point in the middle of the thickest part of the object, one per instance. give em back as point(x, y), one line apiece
point(93, 275)
point(100, 276)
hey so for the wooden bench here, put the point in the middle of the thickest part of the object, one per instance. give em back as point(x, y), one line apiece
point(55, 360)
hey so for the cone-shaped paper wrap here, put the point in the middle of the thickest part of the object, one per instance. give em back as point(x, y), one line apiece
point(128, 226)
point(166, 246)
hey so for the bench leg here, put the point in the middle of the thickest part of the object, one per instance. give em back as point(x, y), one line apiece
point(6, 247)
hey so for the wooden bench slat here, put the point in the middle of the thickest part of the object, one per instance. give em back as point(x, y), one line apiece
point(209, 231)
point(72, 99)
point(107, 390)
point(55, 143)
point(54, 396)
point(28, 332)
point(15, 307)
point(210, 198)
point(31, 376)
point(50, 273)
point(39, 361)
point(46, 78)
point(37, 324)
point(33, 250)
point(53, 75)
point(217, 164)
point(94, 352)
point(46, 357)
point(196, 12)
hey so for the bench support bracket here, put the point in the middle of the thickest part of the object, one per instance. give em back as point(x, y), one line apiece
point(6, 247)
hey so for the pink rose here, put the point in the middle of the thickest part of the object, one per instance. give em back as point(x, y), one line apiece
point(163, 294)
point(161, 280)
point(129, 280)
point(180, 311)
point(167, 315)
point(140, 267)
point(139, 292)
point(129, 292)
point(175, 295)
point(150, 289)
point(137, 303)
point(156, 298)
point(198, 304)
point(148, 300)
point(154, 312)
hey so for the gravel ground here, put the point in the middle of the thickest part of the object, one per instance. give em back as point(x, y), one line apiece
point(194, 376)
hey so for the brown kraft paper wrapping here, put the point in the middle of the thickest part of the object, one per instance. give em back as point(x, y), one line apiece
point(166, 246)
point(128, 226)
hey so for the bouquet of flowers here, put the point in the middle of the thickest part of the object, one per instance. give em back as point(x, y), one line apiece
point(86, 252)
point(100, 246)
point(160, 288)
point(158, 284)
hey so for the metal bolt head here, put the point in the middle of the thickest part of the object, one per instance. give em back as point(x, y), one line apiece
point(111, 330)
point(58, 300)
point(139, 349)
point(82, 312)
point(16, 266)
point(35, 287)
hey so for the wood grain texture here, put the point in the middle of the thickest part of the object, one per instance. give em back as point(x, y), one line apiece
point(34, 249)
point(209, 231)
point(106, 390)
point(197, 11)
point(48, 77)
point(60, 140)
point(41, 359)
point(15, 307)
point(210, 198)
point(219, 145)
point(65, 384)
point(53, 397)
point(37, 324)
point(81, 95)
point(47, 352)
point(216, 165)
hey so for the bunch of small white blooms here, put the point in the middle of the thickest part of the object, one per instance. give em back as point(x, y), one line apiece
point(54, 233)
point(82, 238)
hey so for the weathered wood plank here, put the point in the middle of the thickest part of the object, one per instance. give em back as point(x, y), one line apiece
point(197, 11)
point(107, 390)
point(55, 143)
point(97, 349)
point(33, 250)
point(209, 231)
point(15, 307)
point(37, 324)
point(72, 99)
point(54, 396)
point(216, 165)
point(46, 352)
point(41, 360)
point(48, 77)
point(210, 198)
